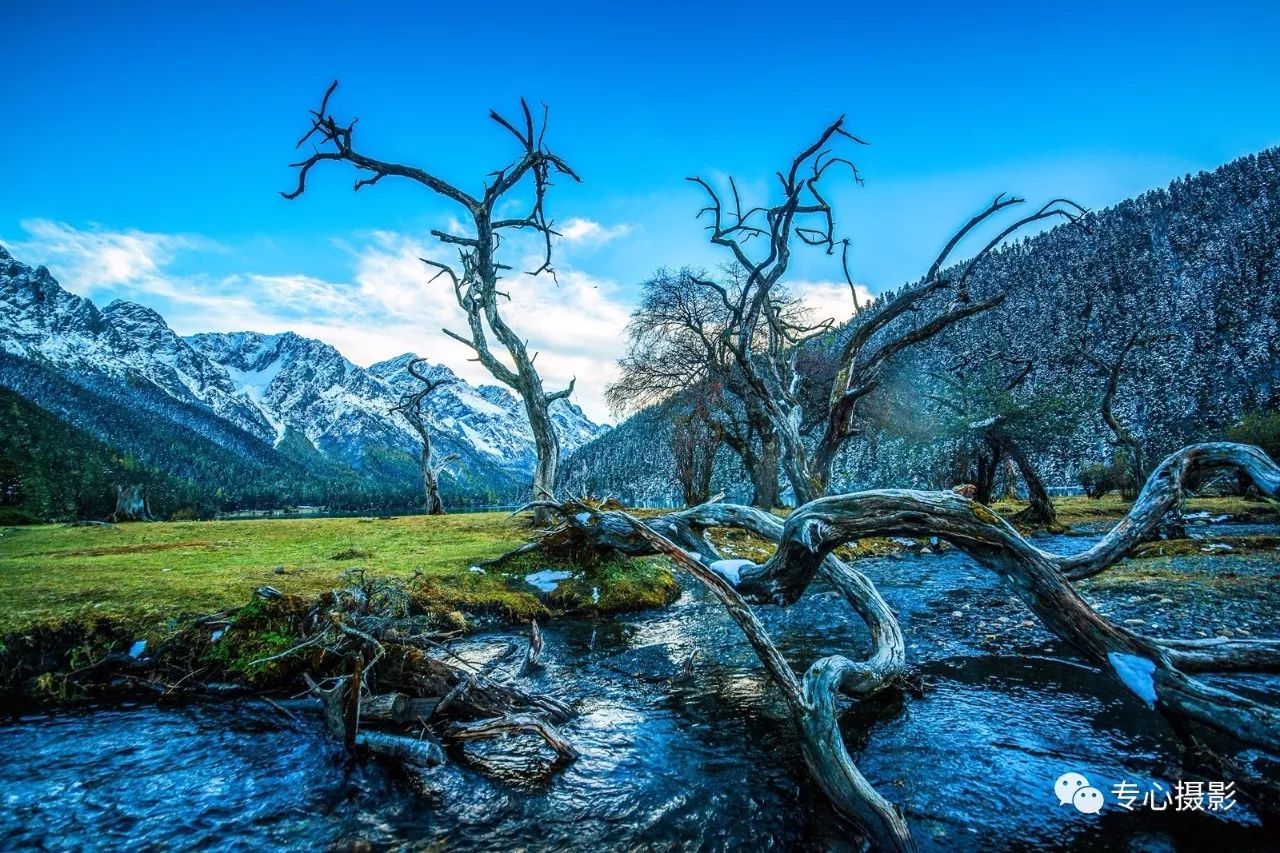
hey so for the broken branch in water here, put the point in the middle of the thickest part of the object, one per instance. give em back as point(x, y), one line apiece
point(511, 725)
point(1155, 670)
point(533, 655)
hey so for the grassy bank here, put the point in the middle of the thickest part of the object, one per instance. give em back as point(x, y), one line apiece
point(149, 574)
point(1111, 507)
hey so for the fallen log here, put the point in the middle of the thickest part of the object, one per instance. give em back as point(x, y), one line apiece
point(1147, 667)
point(385, 708)
point(419, 753)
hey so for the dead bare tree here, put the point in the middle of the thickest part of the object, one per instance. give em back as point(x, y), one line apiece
point(132, 504)
point(411, 409)
point(1156, 670)
point(475, 279)
point(878, 331)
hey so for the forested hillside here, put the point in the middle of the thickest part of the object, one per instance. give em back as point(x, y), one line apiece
point(1179, 288)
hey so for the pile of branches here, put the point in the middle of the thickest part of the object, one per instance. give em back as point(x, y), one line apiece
point(401, 677)
point(1159, 671)
point(375, 667)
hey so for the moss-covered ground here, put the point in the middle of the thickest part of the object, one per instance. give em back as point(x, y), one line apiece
point(147, 574)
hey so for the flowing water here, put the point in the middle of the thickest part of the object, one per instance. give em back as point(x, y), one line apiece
point(698, 762)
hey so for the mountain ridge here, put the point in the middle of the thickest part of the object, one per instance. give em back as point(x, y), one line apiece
point(280, 400)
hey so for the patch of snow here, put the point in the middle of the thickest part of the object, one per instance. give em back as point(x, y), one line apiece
point(479, 442)
point(476, 569)
point(547, 580)
point(1135, 671)
point(730, 570)
point(595, 595)
point(583, 517)
point(253, 383)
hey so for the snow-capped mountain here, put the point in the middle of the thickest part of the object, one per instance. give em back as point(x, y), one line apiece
point(488, 417)
point(42, 322)
point(277, 389)
point(343, 409)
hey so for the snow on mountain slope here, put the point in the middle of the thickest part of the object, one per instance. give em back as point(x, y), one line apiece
point(42, 322)
point(267, 384)
point(490, 417)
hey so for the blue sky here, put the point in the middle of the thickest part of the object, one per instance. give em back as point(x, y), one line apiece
point(146, 144)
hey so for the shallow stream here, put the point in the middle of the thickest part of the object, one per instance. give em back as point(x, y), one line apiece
point(698, 762)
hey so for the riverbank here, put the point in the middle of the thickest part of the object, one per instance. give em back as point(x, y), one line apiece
point(146, 575)
point(674, 699)
point(70, 595)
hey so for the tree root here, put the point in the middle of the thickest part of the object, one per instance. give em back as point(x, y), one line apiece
point(1153, 669)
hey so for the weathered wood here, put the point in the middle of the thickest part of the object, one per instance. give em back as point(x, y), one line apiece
point(419, 753)
point(332, 706)
point(812, 704)
point(512, 725)
point(1144, 666)
point(533, 654)
point(385, 708)
point(422, 709)
point(1153, 669)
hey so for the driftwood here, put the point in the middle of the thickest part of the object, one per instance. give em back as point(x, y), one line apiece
point(533, 655)
point(399, 676)
point(1155, 670)
point(513, 725)
point(385, 708)
point(420, 753)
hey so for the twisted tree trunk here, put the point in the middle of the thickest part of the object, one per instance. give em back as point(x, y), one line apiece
point(764, 473)
point(1155, 670)
point(1040, 513)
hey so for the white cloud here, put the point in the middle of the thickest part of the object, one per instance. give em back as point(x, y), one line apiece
point(574, 322)
point(95, 257)
point(389, 306)
point(830, 300)
point(587, 232)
